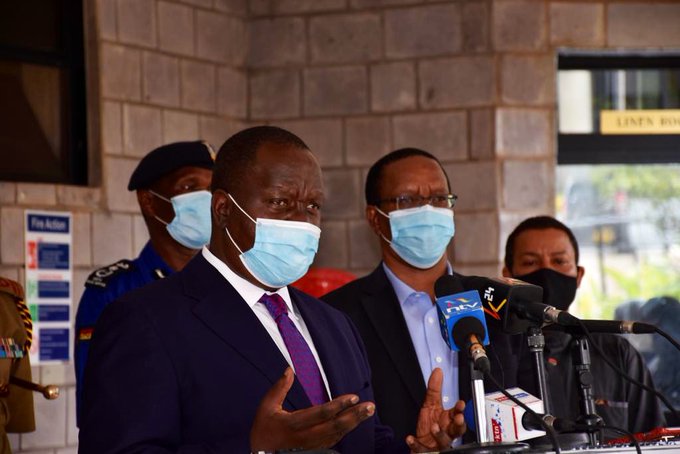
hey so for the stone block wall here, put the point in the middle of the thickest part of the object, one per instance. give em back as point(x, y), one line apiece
point(472, 81)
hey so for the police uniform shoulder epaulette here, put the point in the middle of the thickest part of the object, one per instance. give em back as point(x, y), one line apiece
point(11, 287)
point(102, 277)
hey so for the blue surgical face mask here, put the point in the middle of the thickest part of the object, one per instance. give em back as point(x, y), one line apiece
point(420, 235)
point(191, 225)
point(283, 250)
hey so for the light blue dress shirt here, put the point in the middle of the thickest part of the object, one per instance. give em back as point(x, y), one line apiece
point(421, 319)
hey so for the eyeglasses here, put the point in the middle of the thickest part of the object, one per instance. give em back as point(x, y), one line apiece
point(403, 202)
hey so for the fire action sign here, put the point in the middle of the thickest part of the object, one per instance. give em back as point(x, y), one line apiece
point(48, 240)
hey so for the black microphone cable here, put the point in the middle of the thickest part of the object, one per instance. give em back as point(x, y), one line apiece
point(668, 337)
point(552, 434)
point(622, 373)
point(630, 435)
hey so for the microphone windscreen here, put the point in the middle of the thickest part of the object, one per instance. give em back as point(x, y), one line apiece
point(448, 285)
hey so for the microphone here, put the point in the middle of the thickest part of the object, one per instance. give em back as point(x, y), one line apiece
point(506, 419)
point(516, 304)
point(611, 326)
point(462, 321)
point(531, 422)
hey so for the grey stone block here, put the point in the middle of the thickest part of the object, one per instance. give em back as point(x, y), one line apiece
point(141, 129)
point(11, 228)
point(216, 130)
point(476, 238)
point(306, 6)
point(476, 32)
point(198, 86)
point(232, 92)
point(111, 238)
point(36, 194)
point(519, 25)
point(343, 194)
point(137, 22)
point(8, 193)
point(528, 79)
point(176, 28)
point(364, 246)
point(523, 132)
point(161, 79)
point(442, 134)
point(79, 196)
point(423, 31)
point(335, 91)
point(82, 248)
point(393, 87)
point(220, 38)
point(275, 94)
point(277, 42)
point(576, 24)
point(475, 183)
point(237, 7)
point(179, 126)
point(333, 248)
point(120, 72)
point(345, 38)
point(526, 185)
point(482, 133)
point(643, 24)
point(323, 137)
point(366, 139)
point(457, 82)
point(106, 19)
point(116, 177)
point(112, 127)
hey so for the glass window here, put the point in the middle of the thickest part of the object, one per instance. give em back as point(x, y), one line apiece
point(42, 87)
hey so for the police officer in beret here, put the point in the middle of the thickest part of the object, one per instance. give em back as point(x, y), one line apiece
point(172, 185)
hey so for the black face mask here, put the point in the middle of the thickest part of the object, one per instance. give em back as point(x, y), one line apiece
point(559, 289)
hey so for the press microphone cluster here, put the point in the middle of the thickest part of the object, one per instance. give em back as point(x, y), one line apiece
point(462, 321)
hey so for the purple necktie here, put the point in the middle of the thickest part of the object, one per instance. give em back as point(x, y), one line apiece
point(306, 369)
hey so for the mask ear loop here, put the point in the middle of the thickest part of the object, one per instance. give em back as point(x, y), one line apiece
point(227, 230)
point(162, 198)
point(379, 232)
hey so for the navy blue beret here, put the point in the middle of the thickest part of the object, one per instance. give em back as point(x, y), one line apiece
point(168, 158)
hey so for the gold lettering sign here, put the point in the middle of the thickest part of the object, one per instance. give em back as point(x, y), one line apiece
point(640, 121)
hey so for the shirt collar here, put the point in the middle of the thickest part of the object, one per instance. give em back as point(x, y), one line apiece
point(250, 292)
point(402, 289)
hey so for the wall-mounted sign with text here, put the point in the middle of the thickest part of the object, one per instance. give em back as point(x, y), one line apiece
point(48, 238)
point(640, 121)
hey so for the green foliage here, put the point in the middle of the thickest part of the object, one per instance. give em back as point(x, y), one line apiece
point(648, 280)
point(654, 182)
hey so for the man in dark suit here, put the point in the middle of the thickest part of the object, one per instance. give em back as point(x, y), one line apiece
point(409, 206)
point(182, 364)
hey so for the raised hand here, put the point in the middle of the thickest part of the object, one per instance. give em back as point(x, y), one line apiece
point(321, 426)
point(437, 427)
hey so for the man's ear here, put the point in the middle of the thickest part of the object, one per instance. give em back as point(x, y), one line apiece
point(580, 271)
point(221, 207)
point(373, 218)
point(506, 272)
point(145, 200)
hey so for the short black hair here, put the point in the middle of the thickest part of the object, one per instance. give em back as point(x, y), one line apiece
point(237, 154)
point(375, 173)
point(536, 223)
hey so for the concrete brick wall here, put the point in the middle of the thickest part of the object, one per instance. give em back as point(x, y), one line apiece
point(470, 80)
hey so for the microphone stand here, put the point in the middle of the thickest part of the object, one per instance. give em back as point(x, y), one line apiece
point(536, 342)
point(485, 443)
point(584, 378)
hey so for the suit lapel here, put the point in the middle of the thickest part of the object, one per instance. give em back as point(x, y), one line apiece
point(222, 310)
point(382, 307)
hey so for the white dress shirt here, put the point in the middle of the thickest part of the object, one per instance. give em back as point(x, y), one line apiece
point(251, 294)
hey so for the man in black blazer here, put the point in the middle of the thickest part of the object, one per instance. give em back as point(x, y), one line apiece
point(410, 209)
point(190, 363)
